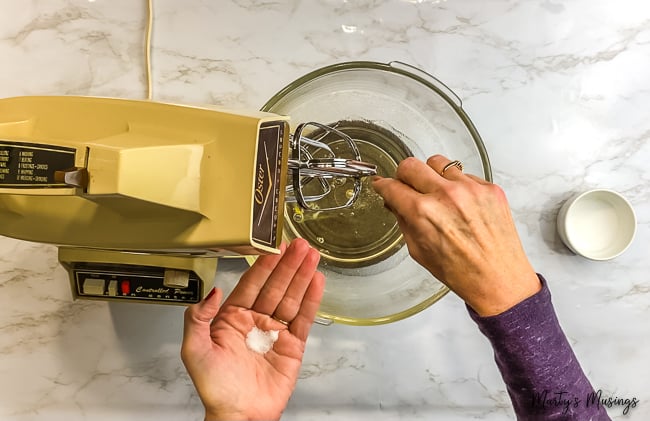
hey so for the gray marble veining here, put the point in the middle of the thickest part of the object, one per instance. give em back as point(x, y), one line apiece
point(558, 90)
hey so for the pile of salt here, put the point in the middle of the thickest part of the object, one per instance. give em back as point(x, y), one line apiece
point(261, 341)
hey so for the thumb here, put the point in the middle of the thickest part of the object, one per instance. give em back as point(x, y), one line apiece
point(199, 316)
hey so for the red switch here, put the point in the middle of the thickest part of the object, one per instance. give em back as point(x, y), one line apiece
point(125, 287)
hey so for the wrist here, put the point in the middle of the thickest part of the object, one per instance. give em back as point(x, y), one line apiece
point(222, 416)
point(505, 294)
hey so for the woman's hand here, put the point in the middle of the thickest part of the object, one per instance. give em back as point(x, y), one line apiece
point(233, 381)
point(459, 227)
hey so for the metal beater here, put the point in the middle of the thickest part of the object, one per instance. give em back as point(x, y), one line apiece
point(305, 168)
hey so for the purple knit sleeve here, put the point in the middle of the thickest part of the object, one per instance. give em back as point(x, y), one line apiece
point(541, 372)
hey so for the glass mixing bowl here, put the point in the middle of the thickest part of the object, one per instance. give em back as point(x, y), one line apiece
point(391, 111)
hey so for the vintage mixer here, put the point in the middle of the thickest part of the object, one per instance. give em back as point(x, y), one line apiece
point(142, 198)
point(112, 180)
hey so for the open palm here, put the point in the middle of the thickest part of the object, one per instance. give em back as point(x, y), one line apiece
point(234, 381)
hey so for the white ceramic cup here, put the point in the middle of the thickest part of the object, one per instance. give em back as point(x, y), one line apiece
point(597, 224)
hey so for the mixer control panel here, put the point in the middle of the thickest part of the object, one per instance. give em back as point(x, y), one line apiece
point(134, 283)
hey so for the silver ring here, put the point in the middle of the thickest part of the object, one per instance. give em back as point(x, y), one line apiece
point(277, 319)
point(456, 164)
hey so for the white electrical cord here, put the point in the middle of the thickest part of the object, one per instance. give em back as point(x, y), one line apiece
point(147, 49)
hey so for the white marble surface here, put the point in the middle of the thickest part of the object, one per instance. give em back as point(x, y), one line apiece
point(559, 91)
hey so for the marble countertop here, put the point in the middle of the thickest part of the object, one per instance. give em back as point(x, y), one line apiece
point(558, 90)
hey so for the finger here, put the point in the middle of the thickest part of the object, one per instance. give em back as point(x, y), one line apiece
point(249, 286)
point(397, 196)
point(418, 175)
point(438, 164)
point(282, 276)
point(289, 306)
point(199, 316)
point(303, 321)
point(478, 179)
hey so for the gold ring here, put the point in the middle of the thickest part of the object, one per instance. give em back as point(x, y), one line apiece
point(277, 319)
point(456, 164)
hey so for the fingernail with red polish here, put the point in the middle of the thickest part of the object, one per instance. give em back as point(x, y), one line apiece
point(210, 294)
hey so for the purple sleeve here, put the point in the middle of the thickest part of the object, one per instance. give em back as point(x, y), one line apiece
point(541, 372)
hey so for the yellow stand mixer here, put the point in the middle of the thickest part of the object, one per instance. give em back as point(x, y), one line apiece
point(143, 197)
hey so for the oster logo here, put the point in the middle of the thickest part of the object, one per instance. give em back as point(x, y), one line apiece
point(266, 195)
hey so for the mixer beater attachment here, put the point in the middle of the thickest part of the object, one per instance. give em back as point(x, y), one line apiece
point(306, 168)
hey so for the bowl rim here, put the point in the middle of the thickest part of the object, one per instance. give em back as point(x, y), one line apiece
point(444, 92)
point(403, 69)
point(327, 318)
